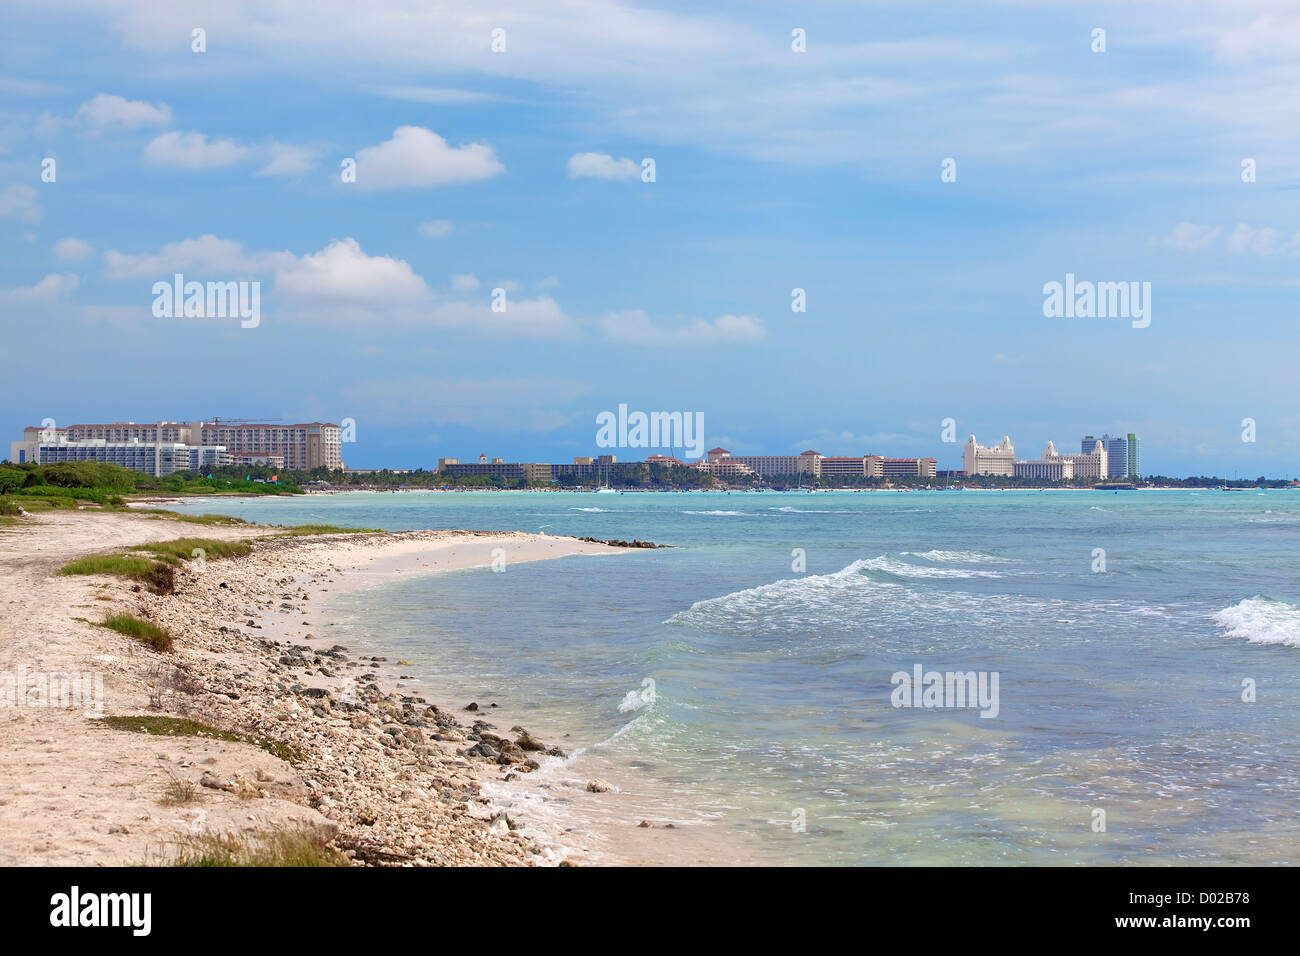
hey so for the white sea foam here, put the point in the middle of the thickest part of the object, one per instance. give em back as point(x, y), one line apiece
point(732, 514)
point(1262, 620)
point(593, 510)
point(955, 557)
point(903, 569)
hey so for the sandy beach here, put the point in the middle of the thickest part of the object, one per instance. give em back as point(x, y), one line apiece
point(389, 777)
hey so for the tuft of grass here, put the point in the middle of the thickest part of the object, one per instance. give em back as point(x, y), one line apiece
point(184, 727)
point(146, 632)
point(158, 576)
point(293, 531)
point(205, 519)
point(182, 549)
point(279, 848)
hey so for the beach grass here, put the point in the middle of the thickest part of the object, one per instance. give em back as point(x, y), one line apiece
point(182, 549)
point(293, 531)
point(297, 848)
point(146, 632)
point(184, 727)
point(158, 576)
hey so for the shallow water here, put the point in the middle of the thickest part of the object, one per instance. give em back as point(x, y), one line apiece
point(725, 690)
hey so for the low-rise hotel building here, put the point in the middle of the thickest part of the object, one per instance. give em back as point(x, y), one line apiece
point(155, 458)
point(807, 463)
point(1051, 467)
point(304, 446)
point(908, 467)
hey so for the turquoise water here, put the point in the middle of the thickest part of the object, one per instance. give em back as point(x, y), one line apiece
point(1118, 690)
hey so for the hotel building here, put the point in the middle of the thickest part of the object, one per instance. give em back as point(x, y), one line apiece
point(301, 447)
point(1121, 454)
point(999, 459)
point(155, 458)
point(807, 463)
point(1051, 467)
point(908, 467)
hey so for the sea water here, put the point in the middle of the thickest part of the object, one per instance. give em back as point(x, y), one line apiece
point(742, 683)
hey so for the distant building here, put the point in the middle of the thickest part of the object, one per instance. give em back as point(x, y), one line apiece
point(1051, 467)
point(868, 466)
point(303, 446)
point(1094, 463)
point(155, 458)
point(807, 463)
point(999, 459)
point(1121, 454)
point(908, 467)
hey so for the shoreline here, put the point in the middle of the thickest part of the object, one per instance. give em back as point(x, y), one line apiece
point(382, 771)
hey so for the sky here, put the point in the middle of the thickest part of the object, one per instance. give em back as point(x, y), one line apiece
point(389, 172)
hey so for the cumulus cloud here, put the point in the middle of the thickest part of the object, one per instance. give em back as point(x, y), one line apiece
point(464, 282)
point(603, 166)
point(1262, 241)
point(107, 112)
point(194, 151)
point(19, 202)
point(418, 157)
point(636, 328)
point(207, 254)
point(436, 228)
point(288, 161)
point(73, 250)
point(343, 277)
point(1189, 237)
point(50, 289)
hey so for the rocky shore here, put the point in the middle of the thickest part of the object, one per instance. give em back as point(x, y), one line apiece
point(323, 740)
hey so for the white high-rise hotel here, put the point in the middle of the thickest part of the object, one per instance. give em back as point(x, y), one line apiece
point(999, 459)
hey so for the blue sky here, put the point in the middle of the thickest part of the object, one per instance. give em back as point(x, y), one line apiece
point(774, 170)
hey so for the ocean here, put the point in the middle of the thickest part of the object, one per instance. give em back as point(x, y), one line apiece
point(1139, 655)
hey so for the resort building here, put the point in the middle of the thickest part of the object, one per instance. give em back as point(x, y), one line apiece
point(908, 467)
point(1092, 464)
point(1051, 467)
point(997, 459)
point(868, 466)
point(151, 457)
point(807, 463)
point(302, 446)
point(1121, 454)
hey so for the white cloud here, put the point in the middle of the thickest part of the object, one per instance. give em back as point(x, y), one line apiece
point(288, 161)
point(436, 228)
point(539, 317)
point(464, 282)
point(207, 255)
point(1262, 241)
point(603, 166)
point(1003, 359)
point(194, 151)
point(19, 202)
point(50, 289)
point(636, 328)
point(1189, 237)
point(107, 111)
point(346, 283)
point(73, 250)
point(419, 157)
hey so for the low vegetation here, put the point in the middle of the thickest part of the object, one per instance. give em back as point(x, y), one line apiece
point(146, 632)
point(158, 576)
point(278, 848)
point(184, 727)
point(179, 549)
